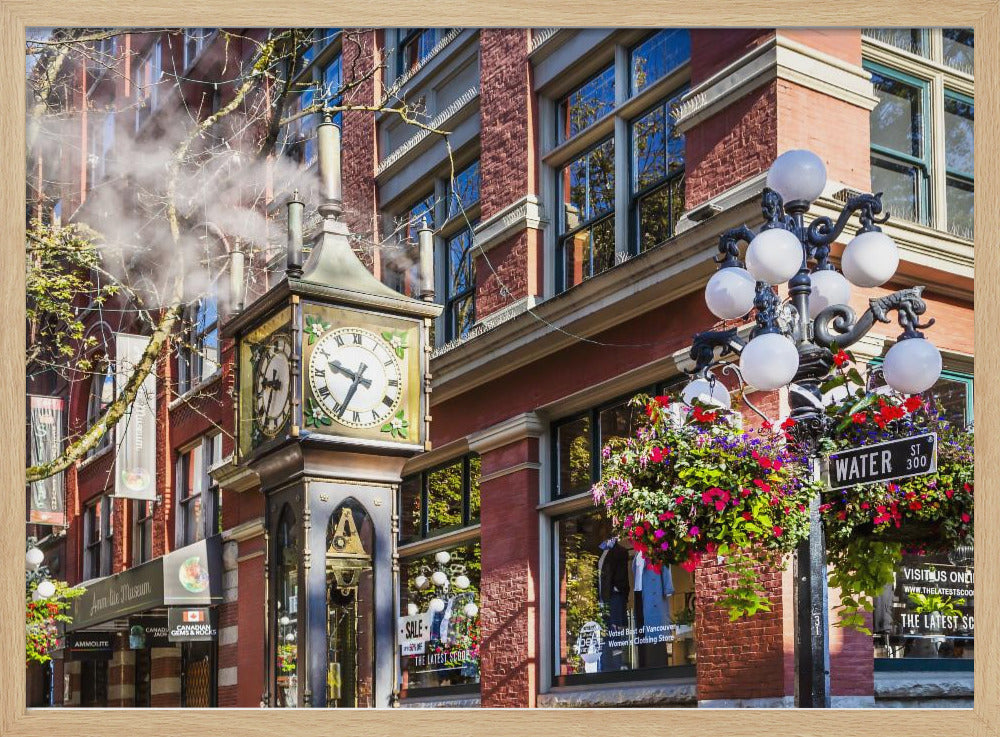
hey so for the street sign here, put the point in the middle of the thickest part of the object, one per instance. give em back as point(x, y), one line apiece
point(895, 459)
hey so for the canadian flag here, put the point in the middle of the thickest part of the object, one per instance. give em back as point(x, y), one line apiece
point(193, 615)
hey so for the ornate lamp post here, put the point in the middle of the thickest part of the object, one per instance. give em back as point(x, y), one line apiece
point(791, 345)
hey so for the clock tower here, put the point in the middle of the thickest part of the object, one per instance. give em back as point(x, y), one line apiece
point(332, 383)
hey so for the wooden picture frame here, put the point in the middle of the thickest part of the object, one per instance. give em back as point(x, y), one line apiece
point(15, 719)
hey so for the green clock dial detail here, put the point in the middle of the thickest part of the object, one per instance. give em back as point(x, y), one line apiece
point(272, 385)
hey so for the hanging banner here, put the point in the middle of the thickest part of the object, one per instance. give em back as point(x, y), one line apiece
point(135, 434)
point(47, 504)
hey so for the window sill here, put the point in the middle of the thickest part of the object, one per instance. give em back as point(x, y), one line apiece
point(91, 459)
point(456, 701)
point(916, 687)
point(196, 389)
point(673, 692)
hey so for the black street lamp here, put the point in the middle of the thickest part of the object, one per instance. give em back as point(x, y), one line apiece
point(792, 343)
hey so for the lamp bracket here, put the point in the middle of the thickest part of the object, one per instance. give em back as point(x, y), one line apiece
point(838, 325)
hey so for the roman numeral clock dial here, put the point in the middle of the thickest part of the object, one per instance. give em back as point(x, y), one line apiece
point(356, 377)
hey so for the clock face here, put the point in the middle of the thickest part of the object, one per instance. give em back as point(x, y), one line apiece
point(356, 377)
point(272, 385)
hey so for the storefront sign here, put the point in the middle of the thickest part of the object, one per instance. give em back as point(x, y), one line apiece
point(146, 632)
point(189, 576)
point(414, 632)
point(187, 624)
point(47, 500)
point(895, 459)
point(135, 433)
point(90, 645)
point(922, 586)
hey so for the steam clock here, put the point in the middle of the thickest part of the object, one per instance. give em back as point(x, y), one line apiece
point(332, 384)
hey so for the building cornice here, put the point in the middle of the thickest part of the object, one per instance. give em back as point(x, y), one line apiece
point(232, 476)
point(244, 531)
point(525, 214)
point(511, 430)
point(777, 58)
point(436, 457)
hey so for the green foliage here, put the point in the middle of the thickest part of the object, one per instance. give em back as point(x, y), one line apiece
point(582, 603)
point(935, 603)
point(60, 265)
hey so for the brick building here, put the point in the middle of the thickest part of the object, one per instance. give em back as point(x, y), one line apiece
point(591, 174)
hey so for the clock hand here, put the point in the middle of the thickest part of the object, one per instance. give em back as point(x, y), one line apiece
point(358, 379)
point(335, 365)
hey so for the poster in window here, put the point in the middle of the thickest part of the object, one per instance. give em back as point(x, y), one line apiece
point(47, 504)
point(135, 434)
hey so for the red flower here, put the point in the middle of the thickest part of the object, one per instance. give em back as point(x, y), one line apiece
point(777, 531)
point(650, 408)
point(665, 516)
point(967, 487)
point(841, 358)
point(662, 400)
point(859, 418)
point(679, 500)
point(842, 515)
point(966, 517)
point(747, 516)
point(766, 425)
point(720, 506)
point(789, 422)
point(656, 455)
point(701, 415)
point(765, 487)
point(744, 492)
point(915, 505)
point(913, 403)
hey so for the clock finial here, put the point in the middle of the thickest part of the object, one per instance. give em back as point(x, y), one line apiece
point(331, 194)
point(293, 259)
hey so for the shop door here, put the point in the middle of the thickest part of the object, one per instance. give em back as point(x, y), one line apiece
point(350, 608)
point(198, 690)
point(94, 683)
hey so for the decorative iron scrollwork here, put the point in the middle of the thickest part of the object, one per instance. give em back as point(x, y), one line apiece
point(823, 231)
point(704, 344)
point(773, 209)
point(837, 324)
point(729, 246)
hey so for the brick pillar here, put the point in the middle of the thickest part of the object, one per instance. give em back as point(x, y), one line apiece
point(228, 627)
point(165, 683)
point(121, 677)
point(508, 173)
point(509, 587)
point(359, 135)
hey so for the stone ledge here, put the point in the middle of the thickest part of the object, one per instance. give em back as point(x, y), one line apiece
point(469, 701)
point(647, 693)
point(923, 688)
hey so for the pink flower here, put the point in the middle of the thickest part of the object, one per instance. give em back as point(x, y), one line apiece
point(965, 517)
point(665, 516)
point(659, 533)
point(720, 506)
point(693, 532)
point(664, 546)
point(777, 531)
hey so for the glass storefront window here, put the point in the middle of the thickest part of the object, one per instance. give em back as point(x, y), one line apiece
point(287, 597)
point(439, 633)
point(443, 499)
point(615, 614)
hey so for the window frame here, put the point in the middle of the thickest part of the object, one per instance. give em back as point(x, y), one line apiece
point(191, 360)
point(142, 521)
point(150, 67)
point(425, 532)
point(96, 405)
point(98, 513)
point(942, 81)
point(196, 488)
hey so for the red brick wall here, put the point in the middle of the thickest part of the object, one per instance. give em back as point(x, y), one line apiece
point(733, 145)
point(509, 588)
point(509, 272)
point(166, 665)
point(251, 647)
point(358, 135)
point(712, 50)
point(507, 107)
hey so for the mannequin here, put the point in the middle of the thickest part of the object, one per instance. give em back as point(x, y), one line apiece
point(652, 605)
point(614, 590)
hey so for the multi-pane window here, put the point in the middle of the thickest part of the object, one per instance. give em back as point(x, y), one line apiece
point(587, 104)
point(195, 495)
point(146, 73)
point(439, 588)
point(415, 45)
point(638, 159)
point(657, 174)
point(900, 154)
point(897, 632)
point(98, 536)
point(194, 42)
point(102, 394)
point(588, 202)
point(198, 355)
point(460, 286)
point(441, 500)
point(463, 193)
point(143, 538)
point(320, 85)
point(922, 138)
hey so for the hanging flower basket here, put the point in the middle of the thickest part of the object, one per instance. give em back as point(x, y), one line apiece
point(692, 483)
point(870, 526)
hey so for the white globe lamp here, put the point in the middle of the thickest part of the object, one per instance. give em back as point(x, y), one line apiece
point(284, 621)
point(729, 293)
point(438, 578)
point(471, 610)
point(797, 175)
point(706, 392)
point(420, 581)
point(442, 557)
point(774, 256)
point(33, 558)
point(912, 366)
point(412, 609)
point(870, 259)
point(769, 361)
point(829, 287)
point(462, 581)
point(45, 590)
point(436, 605)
